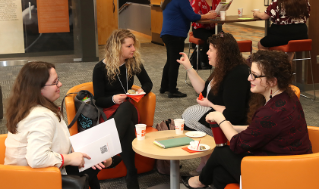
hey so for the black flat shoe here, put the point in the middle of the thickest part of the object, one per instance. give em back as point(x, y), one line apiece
point(185, 182)
point(115, 161)
point(163, 90)
point(176, 94)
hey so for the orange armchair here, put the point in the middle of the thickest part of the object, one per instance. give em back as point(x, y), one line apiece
point(17, 177)
point(146, 108)
point(278, 172)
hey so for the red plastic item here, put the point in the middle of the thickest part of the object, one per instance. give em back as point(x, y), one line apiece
point(219, 136)
point(200, 97)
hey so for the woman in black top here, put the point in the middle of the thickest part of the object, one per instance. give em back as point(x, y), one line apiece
point(112, 78)
point(226, 90)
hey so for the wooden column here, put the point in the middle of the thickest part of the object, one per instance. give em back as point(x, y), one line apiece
point(314, 35)
point(156, 21)
point(107, 19)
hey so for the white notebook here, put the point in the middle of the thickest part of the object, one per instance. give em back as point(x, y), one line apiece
point(99, 142)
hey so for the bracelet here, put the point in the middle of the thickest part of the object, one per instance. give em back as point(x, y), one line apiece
point(221, 122)
point(62, 161)
point(189, 68)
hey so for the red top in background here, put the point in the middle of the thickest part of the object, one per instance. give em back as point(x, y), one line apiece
point(202, 7)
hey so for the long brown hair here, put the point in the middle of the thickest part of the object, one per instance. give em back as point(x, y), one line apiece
point(26, 93)
point(228, 56)
point(113, 52)
point(272, 64)
point(294, 8)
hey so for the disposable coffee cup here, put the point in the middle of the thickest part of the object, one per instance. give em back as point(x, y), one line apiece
point(240, 12)
point(140, 131)
point(222, 15)
point(179, 126)
point(219, 136)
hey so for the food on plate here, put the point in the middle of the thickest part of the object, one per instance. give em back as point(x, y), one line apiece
point(131, 91)
point(202, 148)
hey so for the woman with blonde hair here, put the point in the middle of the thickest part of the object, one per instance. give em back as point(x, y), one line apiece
point(112, 78)
point(37, 134)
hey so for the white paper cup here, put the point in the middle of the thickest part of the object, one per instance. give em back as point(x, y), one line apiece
point(256, 9)
point(179, 126)
point(240, 12)
point(222, 15)
point(194, 144)
point(140, 131)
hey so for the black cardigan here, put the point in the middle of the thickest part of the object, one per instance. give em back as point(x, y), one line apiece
point(233, 93)
point(104, 89)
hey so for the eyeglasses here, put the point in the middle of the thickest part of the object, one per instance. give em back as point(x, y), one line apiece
point(55, 83)
point(254, 76)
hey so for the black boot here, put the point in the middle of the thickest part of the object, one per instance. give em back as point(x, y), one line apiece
point(132, 182)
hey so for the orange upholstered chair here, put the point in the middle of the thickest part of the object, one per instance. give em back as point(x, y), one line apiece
point(296, 90)
point(146, 108)
point(17, 177)
point(299, 46)
point(245, 46)
point(279, 172)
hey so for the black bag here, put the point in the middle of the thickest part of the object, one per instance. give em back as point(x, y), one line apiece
point(87, 113)
point(163, 166)
point(75, 182)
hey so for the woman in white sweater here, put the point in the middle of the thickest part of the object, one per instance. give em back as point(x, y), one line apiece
point(37, 134)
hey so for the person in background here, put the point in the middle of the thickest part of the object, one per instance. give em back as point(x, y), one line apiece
point(289, 19)
point(203, 31)
point(177, 15)
point(37, 134)
point(226, 90)
point(277, 126)
point(113, 77)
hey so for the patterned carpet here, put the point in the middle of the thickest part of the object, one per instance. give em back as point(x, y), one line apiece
point(71, 74)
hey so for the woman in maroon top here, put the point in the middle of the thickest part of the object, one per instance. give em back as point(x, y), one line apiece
point(289, 19)
point(278, 127)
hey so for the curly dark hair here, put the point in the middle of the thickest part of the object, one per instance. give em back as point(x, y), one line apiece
point(228, 56)
point(294, 8)
point(273, 64)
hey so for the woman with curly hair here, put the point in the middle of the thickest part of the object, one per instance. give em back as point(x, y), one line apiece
point(112, 78)
point(226, 90)
point(289, 18)
point(277, 127)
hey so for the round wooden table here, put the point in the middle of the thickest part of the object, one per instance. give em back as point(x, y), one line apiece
point(148, 149)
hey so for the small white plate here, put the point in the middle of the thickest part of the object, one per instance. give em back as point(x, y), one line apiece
point(206, 146)
point(142, 93)
point(195, 134)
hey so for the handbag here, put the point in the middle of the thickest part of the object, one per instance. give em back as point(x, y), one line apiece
point(75, 182)
point(87, 113)
point(163, 166)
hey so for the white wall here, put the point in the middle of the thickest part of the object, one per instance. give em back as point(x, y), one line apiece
point(247, 6)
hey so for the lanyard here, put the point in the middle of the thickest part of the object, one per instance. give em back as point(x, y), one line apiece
point(121, 81)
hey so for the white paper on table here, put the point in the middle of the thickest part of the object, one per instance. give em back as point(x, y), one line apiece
point(222, 7)
point(93, 141)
